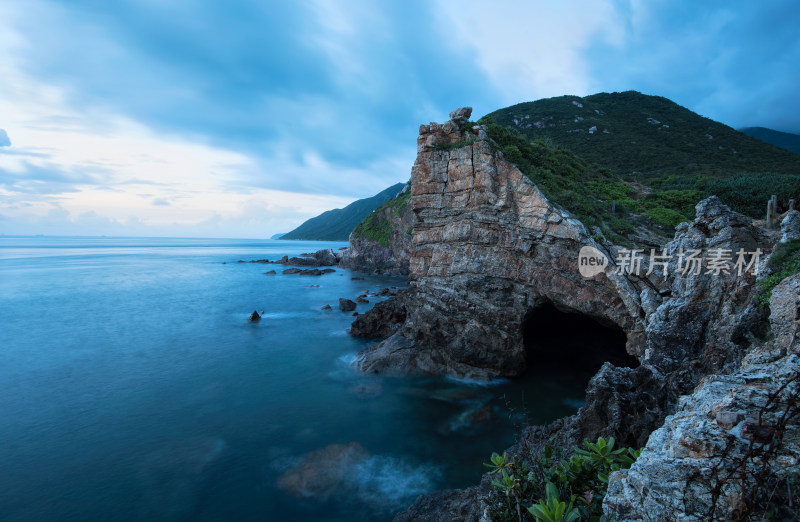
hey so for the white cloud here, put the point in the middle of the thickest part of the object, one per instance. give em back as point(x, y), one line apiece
point(531, 50)
point(83, 170)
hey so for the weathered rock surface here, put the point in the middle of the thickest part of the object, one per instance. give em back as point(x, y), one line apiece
point(382, 320)
point(713, 428)
point(790, 226)
point(488, 248)
point(396, 220)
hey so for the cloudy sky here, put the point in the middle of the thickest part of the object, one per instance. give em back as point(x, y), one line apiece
point(243, 118)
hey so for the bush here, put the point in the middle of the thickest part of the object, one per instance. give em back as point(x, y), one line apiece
point(784, 262)
point(553, 488)
point(749, 193)
point(666, 216)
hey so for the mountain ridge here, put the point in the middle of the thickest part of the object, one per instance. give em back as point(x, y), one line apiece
point(337, 224)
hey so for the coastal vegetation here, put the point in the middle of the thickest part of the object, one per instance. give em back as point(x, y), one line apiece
point(784, 262)
point(553, 488)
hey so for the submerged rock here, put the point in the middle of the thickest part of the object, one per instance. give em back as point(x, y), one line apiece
point(324, 472)
point(326, 307)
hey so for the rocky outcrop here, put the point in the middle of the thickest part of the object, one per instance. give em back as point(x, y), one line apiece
point(382, 242)
point(383, 320)
point(324, 257)
point(346, 305)
point(720, 429)
point(790, 226)
point(489, 249)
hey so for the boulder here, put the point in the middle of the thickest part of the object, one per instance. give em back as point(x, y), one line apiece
point(254, 317)
point(346, 305)
point(462, 113)
point(327, 307)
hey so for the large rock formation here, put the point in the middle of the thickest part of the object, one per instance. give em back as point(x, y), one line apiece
point(724, 427)
point(489, 248)
point(489, 251)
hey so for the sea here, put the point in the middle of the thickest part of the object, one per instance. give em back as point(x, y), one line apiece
point(134, 388)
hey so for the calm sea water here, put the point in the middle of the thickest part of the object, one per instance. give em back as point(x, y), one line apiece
point(132, 387)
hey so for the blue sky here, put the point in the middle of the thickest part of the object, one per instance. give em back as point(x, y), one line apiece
point(242, 119)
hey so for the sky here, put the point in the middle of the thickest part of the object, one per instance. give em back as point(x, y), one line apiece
point(244, 118)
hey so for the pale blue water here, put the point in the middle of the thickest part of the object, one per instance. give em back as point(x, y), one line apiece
point(132, 387)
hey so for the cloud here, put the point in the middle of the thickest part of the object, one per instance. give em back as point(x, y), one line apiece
point(531, 50)
point(4, 139)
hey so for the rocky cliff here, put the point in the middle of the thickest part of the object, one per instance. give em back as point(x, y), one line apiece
point(490, 253)
point(382, 242)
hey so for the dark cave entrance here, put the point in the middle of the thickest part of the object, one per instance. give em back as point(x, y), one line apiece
point(572, 343)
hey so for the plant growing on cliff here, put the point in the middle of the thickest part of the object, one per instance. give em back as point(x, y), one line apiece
point(784, 262)
point(553, 488)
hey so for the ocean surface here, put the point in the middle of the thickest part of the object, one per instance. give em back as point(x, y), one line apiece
point(132, 387)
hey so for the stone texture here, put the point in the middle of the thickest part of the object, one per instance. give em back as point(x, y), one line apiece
point(790, 226)
point(673, 477)
point(382, 320)
point(488, 247)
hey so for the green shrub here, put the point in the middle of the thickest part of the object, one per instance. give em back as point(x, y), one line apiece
point(534, 490)
point(784, 262)
point(666, 216)
point(749, 193)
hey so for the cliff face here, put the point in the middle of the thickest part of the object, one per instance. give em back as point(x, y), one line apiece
point(728, 424)
point(489, 252)
point(488, 249)
point(382, 242)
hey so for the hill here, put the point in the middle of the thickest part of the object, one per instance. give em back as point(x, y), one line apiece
point(640, 162)
point(784, 140)
point(336, 224)
point(645, 138)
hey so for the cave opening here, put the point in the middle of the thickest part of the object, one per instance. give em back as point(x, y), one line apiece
point(571, 342)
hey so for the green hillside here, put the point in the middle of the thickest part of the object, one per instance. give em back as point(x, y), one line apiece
point(645, 138)
point(336, 225)
point(784, 140)
point(623, 161)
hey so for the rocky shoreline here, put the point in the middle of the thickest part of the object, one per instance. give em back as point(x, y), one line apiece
point(489, 252)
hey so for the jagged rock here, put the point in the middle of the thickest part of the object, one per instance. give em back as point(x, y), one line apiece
point(450, 505)
point(673, 477)
point(254, 317)
point(291, 271)
point(488, 248)
point(324, 257)
point(346, 305)
point(382, 320)
point(360, 299)
point(462, 113)
point(271, 272)
point(790, 226)
point(327, 307)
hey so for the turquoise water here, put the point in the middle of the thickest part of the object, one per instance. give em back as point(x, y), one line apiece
point(132, 387)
